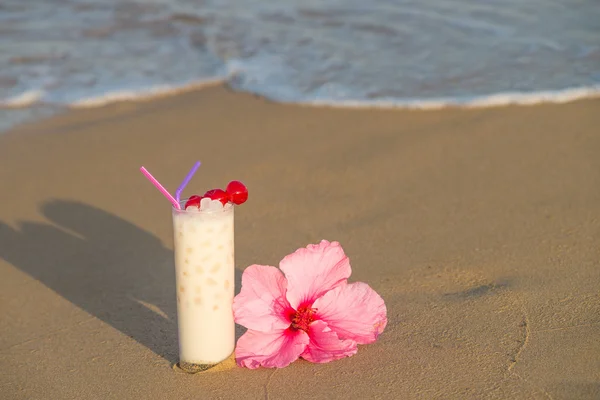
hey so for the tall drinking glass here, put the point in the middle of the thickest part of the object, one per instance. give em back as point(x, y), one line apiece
point(204, 265)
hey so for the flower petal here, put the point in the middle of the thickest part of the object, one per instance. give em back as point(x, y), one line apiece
point(314, 270)
point(354, 311)
point(275, 349)
point(325, 345)
point(261, 304)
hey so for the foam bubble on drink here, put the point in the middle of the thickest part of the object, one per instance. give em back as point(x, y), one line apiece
point(205, 204)
point(215, 205)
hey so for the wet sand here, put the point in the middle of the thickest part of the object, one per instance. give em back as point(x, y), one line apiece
point(480, 228)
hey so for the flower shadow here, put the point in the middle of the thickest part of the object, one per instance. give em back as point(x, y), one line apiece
point(107, 266)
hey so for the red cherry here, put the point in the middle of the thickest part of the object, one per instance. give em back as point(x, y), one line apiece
point(217, 194)
point(193, 201)
point(238, 192)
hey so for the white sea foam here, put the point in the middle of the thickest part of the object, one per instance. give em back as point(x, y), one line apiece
point(492, 100)
point(142, 94)
point(32, 97)
point(24, 99)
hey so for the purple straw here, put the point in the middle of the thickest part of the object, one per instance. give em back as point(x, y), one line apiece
point(186, 180)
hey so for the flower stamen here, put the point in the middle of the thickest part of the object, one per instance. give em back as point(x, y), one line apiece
point(302, 318)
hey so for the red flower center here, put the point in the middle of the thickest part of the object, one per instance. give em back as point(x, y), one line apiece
point(302, 318)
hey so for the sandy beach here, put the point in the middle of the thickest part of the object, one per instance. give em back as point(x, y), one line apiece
point(480, 229)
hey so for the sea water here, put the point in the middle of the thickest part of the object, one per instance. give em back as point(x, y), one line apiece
point(354, 53)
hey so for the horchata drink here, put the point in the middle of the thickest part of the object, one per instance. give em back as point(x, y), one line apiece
point(204, 264)
point(205, 271)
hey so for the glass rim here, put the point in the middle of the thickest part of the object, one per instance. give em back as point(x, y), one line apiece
point(182, 210)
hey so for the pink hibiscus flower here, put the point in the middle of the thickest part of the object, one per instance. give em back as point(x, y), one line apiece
point(310, 312)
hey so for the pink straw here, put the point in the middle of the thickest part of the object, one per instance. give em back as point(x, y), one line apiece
point(160, 187)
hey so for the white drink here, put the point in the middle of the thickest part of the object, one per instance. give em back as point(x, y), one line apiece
point(204, 264)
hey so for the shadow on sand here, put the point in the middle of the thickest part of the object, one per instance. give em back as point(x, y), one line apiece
point(103, 264)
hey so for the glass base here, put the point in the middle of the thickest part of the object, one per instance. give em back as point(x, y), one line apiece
point(191, 368)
